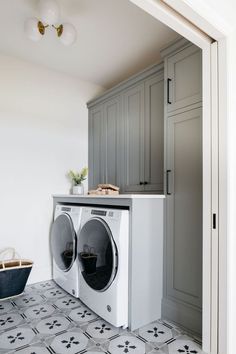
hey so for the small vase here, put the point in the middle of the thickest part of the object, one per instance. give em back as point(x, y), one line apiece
point(78, 189)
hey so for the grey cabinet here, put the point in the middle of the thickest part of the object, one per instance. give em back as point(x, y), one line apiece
point(133, 100)
point(184, 207)
point(182, 298)
point(128, 150)
point(144, 136)
point(184, 74)
point(103, 142)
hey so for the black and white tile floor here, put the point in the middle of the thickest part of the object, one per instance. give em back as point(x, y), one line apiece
point(45, 320)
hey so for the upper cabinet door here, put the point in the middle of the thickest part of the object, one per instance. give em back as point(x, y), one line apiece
point(184, 78)
point(96, 153)
point(112, 117)
point(154, 133)
point(133, 100)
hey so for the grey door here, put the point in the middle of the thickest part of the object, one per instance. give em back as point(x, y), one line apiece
point(154, 133)
point(133, 100)
point(96, 153)
point(184, 78)
point(63, 242)
point(112, 118)
point(97, 254)
point(184, 212)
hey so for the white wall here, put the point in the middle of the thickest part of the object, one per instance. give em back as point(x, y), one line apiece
point(43, 134)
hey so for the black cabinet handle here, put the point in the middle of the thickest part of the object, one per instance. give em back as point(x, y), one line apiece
point(168, 91)
point(167, 182)
point(141, 183)
point(145, 183)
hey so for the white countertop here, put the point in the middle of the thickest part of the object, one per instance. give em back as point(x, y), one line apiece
point(119, 196)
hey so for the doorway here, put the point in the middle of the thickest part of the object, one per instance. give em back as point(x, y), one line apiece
point(210, 319)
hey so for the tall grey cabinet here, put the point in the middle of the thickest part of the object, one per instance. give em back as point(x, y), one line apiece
point(126, 134)
point(182, 298)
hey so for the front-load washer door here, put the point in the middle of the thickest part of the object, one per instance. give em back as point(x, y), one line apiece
point(97, 254)
point(63, 242)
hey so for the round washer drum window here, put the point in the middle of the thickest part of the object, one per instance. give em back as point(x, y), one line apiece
point(97, 254)
point(63, 240)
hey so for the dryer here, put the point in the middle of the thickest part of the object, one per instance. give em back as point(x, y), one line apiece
point(104, 235)
point(63, 242)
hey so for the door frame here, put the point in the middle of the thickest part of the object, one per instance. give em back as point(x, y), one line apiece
point(180, 16)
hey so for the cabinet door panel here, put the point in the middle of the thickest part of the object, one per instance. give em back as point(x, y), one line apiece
point(184, 208)
point(154, 133)
point(185, 71)
point(112, 112)
point(96, 169)
point(134, 145)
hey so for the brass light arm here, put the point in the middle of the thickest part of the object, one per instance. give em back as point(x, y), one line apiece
point(59, 30)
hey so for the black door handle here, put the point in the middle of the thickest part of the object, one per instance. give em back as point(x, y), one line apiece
point(168, 91)
point(167, 182)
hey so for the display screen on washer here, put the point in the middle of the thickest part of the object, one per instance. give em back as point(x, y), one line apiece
point(99, 212)
point(65, 209)
point(97, 254)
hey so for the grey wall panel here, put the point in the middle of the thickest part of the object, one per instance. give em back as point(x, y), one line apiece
point(96, 174)
point(154, 133)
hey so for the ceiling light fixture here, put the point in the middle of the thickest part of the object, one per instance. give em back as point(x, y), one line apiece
point(49, 12)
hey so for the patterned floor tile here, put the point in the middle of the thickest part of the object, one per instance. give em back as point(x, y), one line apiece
point(17, 338)
point(39, 311)
point(10, 320)
point(55, 293)
point(182, 345)
point(100, 331)
point(70, 342)
point(45, 285)
point(27, 300)
point(82, 315)
point(51, 326)
point(157, 333)
point(127, 343)
point(45, 319)
point(67, 303)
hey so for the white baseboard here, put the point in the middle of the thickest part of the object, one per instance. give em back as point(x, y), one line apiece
point(40, 274)
point(183, 314)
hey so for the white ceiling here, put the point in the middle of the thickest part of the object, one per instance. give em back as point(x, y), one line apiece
point(115, 39)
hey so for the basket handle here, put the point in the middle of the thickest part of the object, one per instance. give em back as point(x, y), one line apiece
point(7, 251)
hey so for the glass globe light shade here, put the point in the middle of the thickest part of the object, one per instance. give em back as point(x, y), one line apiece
point(49, 11)
point(31, 29)
point(68, 35)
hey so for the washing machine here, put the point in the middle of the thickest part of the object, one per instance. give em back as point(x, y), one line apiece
point(103, 250)
point(63, 242)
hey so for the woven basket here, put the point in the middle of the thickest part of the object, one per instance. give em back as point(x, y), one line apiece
point(14, 273)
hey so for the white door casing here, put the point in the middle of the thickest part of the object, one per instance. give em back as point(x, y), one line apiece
point(185, 28)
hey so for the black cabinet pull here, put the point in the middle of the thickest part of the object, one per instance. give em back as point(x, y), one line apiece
point(168, 91)
point(141, 183)
point(145, 183)
point(167, 182)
